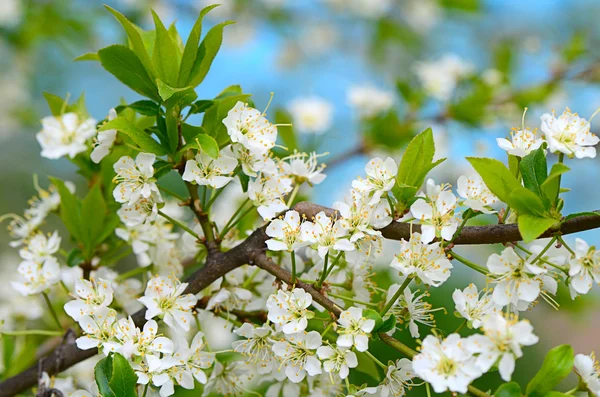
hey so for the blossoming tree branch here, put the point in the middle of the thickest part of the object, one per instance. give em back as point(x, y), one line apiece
point(291, 280)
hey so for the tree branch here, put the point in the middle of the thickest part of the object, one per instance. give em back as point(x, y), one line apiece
point(252, 251)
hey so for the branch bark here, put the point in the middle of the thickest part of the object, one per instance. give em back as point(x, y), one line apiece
point(252, 251)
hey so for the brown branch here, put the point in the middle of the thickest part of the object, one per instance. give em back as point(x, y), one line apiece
point(251, 251)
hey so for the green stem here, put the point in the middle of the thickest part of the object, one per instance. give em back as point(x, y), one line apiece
point(470, 264)
point(181, 225)
point(335, 261)
point(32, 332)
point(327, 328)
point(293, 195)
point(64, 287)
point(542, 252)
point(216, 194)
point(293, 254)
point(249, 279)
point(391, 302)
point(467, 215)
point(460, 326)
point(226, 230)
point(375, 360)
point(146, 389)
point(351, 299)
point(324, 272)
point(51, 308)
point(561, 158)
point(563, 242)
point(236, 213)
point(562, 269)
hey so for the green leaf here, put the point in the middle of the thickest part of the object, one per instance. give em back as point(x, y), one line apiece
point(513, 164)
point(244, 181)
point(56, 104)
point(388, 324)
point(139, 136)
point(200, 106)
point(373, 315)
point(526, 202)
point(511, 389)
point(550, 187)
point(206, 54)
point(577, 214)
point(89, 56)
point(165, 56)
point(162, 168)
point(69, 209)
point(103, 372)
point(191, 47)
point(556, 394)
point(137, 42)
point(124, 64)
point(557, 365)
point(124, 380)
point(176, 96)
point(416, 162)
point(143, 107)
point(532, 226)
point(94, 213)
point(110, 224)
point(535, 171)
point(75, 257)
point(171, 121)
point(496, 176)
point(205, 143)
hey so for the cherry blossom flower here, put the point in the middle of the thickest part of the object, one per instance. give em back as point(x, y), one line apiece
point(397, 379)
point(303, 167)
point(439, 78)
point(97, 329)
point(128, 340)
point(411, 309)
point(134, 179)
point(249, 127)
point(473, 305)
point(285, 233)
point(354, 329)
point(360, 218)
point(164, 297)
point(206, 171)
point(569, 134)
point(369, 101)
point(65, 135)
point(428, 262)
point(326, 234)
point(252, 164)
point(380, 178)
point(267, 194)
point(192, 361)
point(37, 276)
point(311, 115)
point(91, 296)
point(586, 367)
point(521, 143)
point(337, 360)
point(501, 343)
point(446, 364)
point(584, 268)
point(475, 193)
point(40, 247)
point(289, 310)
point(435, 211)
point(257, 346)
point(141, 211)
point(516, 279)
point(298, 356)
point(227, 380)
point(104, 140)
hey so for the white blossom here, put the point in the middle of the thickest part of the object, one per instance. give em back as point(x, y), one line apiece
point(127, 339)
point(249, 127)
point(586, 367)
point(435, 211)
point(97, 329)
point(141, 211)
point(104, 140)
point(206, 171)
point(501, 343)
point(412, 309)
point(569, 134)
point(164, 297)
point(337, 360)
point(397, 379)
point(252, 163)
point(226, 380)
point(311, 115)
point(303, 167)
point(439, 78)
point(516, 279)
point(91, 296)
point(289, 310)
point(285, 233)
point(380, 178)
point(353, 329)
point(257, 346)
point(475, 193)
point(65, 135)
point(446, 364)
point(521, 143)
point(369, 101)
point(37, 276)
point(326, 234)
point(40, 247)
point(584, 268)
point(428, 262)
point(473, 305)
point(298, 356)
point(360, 218)
point(267, 193)
point(134, 179)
